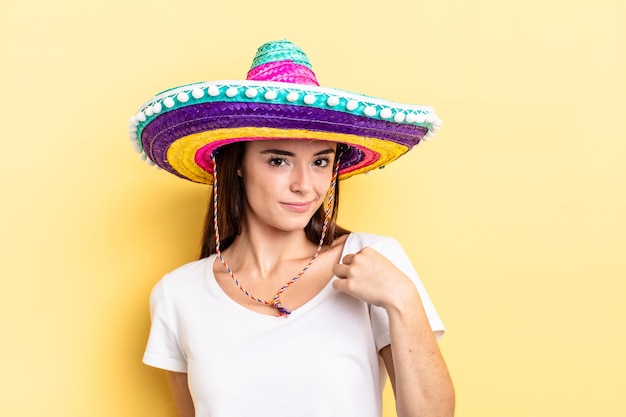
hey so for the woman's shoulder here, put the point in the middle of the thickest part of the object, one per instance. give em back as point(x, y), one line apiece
point(186, 274)
point(177, 290)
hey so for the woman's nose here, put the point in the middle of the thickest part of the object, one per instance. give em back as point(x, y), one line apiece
point(301, 180)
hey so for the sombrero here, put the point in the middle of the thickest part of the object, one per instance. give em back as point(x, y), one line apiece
point(179, 128)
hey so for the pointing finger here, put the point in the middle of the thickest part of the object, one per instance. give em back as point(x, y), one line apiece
point(347, 260)
point(340, 270)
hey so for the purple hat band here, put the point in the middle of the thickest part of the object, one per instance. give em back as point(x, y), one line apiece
point(175, 124)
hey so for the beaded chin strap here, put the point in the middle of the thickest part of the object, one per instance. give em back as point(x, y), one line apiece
point(276, 303)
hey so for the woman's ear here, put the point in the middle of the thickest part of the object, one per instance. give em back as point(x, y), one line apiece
point(239, 172)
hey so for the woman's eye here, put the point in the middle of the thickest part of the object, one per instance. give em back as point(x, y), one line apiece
point(277, 162)
point(323, 162)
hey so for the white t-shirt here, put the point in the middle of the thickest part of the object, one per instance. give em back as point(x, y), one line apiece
point(320, 361)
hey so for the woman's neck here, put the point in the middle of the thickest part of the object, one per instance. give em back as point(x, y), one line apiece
point(264, 250)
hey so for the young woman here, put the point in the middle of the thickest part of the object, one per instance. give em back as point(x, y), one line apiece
point(286, 313)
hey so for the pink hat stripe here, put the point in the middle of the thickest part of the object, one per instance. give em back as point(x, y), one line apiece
point(283, 71)
point(203, 155)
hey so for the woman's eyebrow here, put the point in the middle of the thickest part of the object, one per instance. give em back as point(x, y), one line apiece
point(278, 152)
point(325, 151)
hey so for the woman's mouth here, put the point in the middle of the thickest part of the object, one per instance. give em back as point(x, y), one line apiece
point(298, 207)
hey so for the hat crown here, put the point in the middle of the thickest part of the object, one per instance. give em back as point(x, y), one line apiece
point(282, 61)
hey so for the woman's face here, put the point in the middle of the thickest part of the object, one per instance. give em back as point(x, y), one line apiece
point(285, 181)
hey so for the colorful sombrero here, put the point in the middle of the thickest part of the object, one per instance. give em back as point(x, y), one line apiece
point(179, 128)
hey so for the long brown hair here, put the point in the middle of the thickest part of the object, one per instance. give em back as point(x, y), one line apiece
point(230, 210)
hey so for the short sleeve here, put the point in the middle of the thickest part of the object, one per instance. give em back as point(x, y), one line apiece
point(163, 349)
point(393, 251)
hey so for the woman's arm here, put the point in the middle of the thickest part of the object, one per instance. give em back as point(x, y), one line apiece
point(182, 396)
point(418, 373)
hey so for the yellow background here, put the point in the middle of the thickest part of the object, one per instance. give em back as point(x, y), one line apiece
point(514, 215)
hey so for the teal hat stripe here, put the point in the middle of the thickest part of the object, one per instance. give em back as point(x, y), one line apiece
point(280, 51)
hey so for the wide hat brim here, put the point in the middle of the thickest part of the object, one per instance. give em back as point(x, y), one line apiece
point(179, 128)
